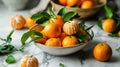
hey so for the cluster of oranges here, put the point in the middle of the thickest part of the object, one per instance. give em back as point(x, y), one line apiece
point(18, 22)
point(81, 3)
point(58, 33)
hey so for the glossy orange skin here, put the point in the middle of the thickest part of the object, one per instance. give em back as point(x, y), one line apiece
point(54, 42)
point(102, 52)
point(109, 25)
point(52, 30)
point(119, 33)
point(69, 41)
point(63, 2)
point(17, 21)
point(87, 4)
point(58, 20)
point(30, 22)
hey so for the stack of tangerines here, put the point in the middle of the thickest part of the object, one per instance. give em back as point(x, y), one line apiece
point(81, 3)
point(58, 33)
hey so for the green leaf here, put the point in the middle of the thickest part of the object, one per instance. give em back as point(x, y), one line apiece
point(81, 38)
point(68, 16)
point(25, 36)
point(51, 10)
point(40, 16)
point(28, 34)
point(10, 59)
point(113, 35)
point(108, 10)
point(82, 25)
point(99, 23)
point(8, 40)
point(5, 49)
point(44, 23)
point(61, 65)
point(62, 12)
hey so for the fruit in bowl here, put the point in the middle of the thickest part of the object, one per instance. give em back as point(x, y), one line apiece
point(84, 8)
point(58, 34)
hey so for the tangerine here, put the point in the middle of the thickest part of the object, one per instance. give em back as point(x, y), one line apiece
point(69, 41)
point(87, 4)
point(17, 21)
point(102, 52)
point(109, 25)
point(54, 42)
point(52, 30)
point(30, 22)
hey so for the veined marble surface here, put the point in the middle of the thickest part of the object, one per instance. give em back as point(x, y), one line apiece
point(83, 58)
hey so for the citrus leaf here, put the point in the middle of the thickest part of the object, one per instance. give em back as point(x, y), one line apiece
point(113, 35)
point(44, 23)
point(25, 36)
point(40, 16)
point(90, 27)
point(8, 40)
point(61, 65)
point(108, 10)
point(5, 49)
point(62, 11)
point(99, 23)
point(10, 59)
point(51, 11)
point(118, 49)
point(68, 16)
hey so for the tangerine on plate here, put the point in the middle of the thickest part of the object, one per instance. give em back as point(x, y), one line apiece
point(109, 25)
point(102, 52)
point(72, 2)
point(69, 41)
point(52, 30)
point(87, 4)
point(30, 22)
point(17, 21)
point(62, 36)
point(54, 42)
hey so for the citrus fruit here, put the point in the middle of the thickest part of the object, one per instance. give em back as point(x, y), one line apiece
point(30, 22)
point(52, 30)
point(109, 25)
point(102, 52)
point(58, 20)
point(17, 21)
point(87, 4)
point(29, 61)
point(63, 2)
point(69, 41)
point(72, 3)
point(54, 42)
point(62, 36)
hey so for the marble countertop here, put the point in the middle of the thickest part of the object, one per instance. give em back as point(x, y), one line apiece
point(83, 58)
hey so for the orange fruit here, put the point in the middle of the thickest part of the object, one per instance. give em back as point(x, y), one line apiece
point(30, 22)
point(87, 4)
point(79, 3)
point(102, 52)
point(52, 30)
point(63, 2)
point(72, 2)
point(58, 20)
point(17, 21)
point(29, 61)
point(119, 33)
point(109, 25)
point(69, 41)
point(54, 42)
